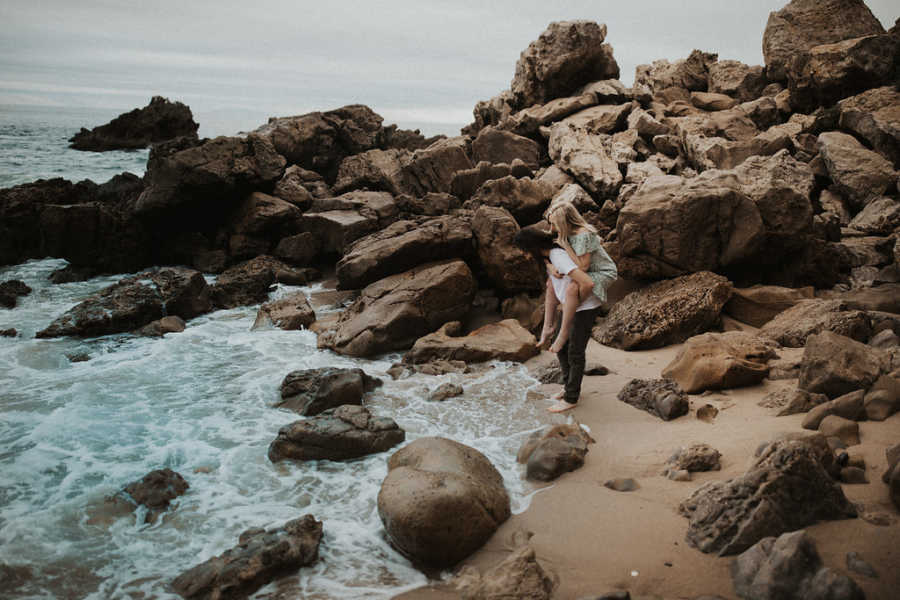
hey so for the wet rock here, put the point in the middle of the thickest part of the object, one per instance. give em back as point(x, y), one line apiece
point(11, 332)
point(392, 313)
point(759, 304)
point(519, 575)
point(339, 221)
point(787, 566)
point(290, 313)
point(716, 361)
point(696, 457)
point(551, 452)
point(249, 282)
point(10, 292)
point(348, 431)
point(156, 490)
point(835, 365)
point(504, 340)
point(859, 174)
point(445, 391)
point(160, 327)
point(567, 55)
point(441, 500)
point(402, 246)
point(660, 397)
point(786, 488)
point(873, 115)
point(802, 24)
point(133, 302)
point(665, 313)
point(794, 326)
point(159, 121)
point(312, 391)
point(506, 265)
point(858, 565)
point(259, 557)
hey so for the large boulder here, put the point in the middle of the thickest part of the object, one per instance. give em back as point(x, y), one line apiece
point(312, 391)
point(789, 566)
point(524, 198)
point(672, 226)
point(859, 174)
point(874, 115)
point(498, 146)
point(341, 433)
point(736, 79)
point(159, 121)
point(584, 156)
point(341, 220)
point(259, 557)
point(319, 141)
point(664, 313)
point(759, 304)
point(441, 500)
point(719, 361)
point(134, 302)
point(249, 282)
point(402, 246)
point(786, 488)
point(566, 56)
point(660, 397)
point(432, 169)
point(834, 365)
point(550, 452)
point(802, 24)
point(392, 313)
point(504, 340)
point(375, 170)
point(794, 326)
point(690, 74)
point(507, 266)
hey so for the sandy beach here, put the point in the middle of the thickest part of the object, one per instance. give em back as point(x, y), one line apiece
point(595, 540)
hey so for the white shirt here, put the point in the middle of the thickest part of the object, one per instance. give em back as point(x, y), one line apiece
point(565, 265)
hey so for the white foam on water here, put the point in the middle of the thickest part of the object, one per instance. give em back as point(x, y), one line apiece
point(201, 403)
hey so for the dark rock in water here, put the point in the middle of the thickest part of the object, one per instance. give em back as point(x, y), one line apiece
point(8, 333)
point(71, 274)
point(159, 121)
point(10, 292)
point(445, 391)
point(160, 327)
point(133, 302)
point(789, 567)
point(290, 313)
point(78, 357)
point(519, 575)
point(786, 488)
point(156, 491)
point(660, 397)
point(441, 501)
point(249, 282)
point(13, 577)
point(311, 391)
point(341, 433)
point(550, 452)
point(260, 557)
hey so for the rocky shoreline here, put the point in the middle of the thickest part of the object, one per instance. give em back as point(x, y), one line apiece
point(765, 197)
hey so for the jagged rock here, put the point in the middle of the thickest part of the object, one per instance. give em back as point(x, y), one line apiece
point(504, 340)
point(11, 332)
point(672, 226)
point(802, 24)
point(567, 55)
point(441, 500)
point(794, 326)
point(264, 216)
point(348, 431)
point(600, 119)
point(312, 391)
point(432, 169)
point(293, 186)
point(11, 290)
point(696, 457)
point(583, 155)
point(524, 198)
point(664, 313)
point(835, 365)
point(874, 115)
point(402, 246)
point(300, 249)
point(827, 73)
point(795, 401)
point(393, 312)
point(849, 406)
point(660, 397)
point(736, 79)
point(607, 91)
point(764, 113)
point(691, 74)
point(575, 194)
point(507, 266)
point(156, 490)
point(789, 566)
point(759, 304)
point(859, 174)
point(467, 181)
point(786, 488)
point(249, 282)
point(432, 204)
point(133, 302)
point(712, 101)
point(553, 451)
point(497, 146)
point(716, 361)
point(159, 121)
point(645, 123)
point(879, 217)
point(491, 112)
point(291, 312)
point(160, 327)
point(260, 556)
point(374, 170)
point(519, 575)
point(529, 120)
point(340, 221)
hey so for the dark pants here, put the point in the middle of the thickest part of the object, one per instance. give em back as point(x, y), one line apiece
point(571, 357)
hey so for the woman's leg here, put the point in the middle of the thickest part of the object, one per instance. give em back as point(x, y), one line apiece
point(550, 306)
point(573, 299)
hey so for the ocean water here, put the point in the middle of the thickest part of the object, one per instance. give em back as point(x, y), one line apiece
point(201, 403)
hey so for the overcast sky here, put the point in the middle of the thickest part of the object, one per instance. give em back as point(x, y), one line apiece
point(419, 63)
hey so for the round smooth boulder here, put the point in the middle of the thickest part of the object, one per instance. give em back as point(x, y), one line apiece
point(441, 501)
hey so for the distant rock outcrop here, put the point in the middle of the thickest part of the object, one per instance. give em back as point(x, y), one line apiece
point(159, 121)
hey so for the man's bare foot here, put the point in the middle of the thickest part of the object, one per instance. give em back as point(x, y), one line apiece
point(561, 406)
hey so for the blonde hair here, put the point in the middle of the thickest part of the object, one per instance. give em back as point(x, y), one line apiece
point(566, 219)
